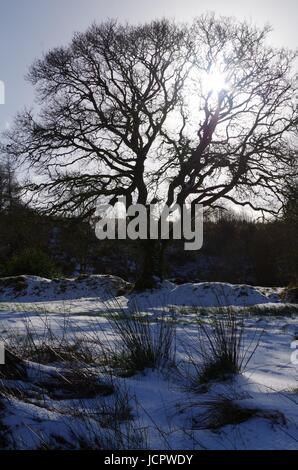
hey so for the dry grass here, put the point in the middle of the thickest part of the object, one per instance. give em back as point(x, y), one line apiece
point(47, 347)
point(219, 351)
point(77, 382)
point(139, 343)
point(223, 411)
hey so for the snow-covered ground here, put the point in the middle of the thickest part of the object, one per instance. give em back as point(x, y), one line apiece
point(156, 409)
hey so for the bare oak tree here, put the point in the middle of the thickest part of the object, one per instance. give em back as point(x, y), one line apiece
point(9, 188)
point(161, 112)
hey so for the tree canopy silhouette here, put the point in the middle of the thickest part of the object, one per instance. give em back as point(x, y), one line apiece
point(161, 113)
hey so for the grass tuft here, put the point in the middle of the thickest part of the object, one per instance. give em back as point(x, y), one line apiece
point(140, 343)
point(219, 351)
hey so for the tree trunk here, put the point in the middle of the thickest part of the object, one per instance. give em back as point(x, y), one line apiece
point(152, 268)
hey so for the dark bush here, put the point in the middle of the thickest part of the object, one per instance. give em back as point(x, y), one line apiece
point(31, 262)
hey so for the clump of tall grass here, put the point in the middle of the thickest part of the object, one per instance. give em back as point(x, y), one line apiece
point(222, 410)
point(220, 351)
point(139, 342)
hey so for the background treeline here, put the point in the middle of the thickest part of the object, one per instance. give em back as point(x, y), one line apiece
point(236, 249)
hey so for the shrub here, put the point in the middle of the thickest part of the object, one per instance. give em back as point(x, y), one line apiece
point(31, 262)
point(290, 294)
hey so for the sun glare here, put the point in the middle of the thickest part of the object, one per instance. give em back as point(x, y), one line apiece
point(215, 81)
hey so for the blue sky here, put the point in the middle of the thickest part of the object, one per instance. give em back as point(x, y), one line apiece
point(30, 27)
